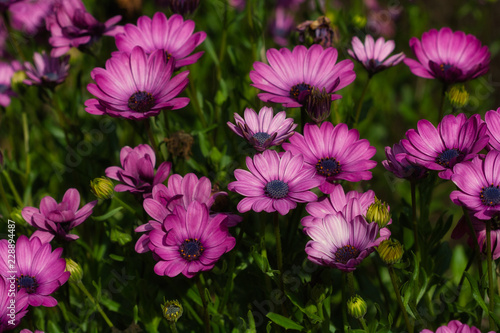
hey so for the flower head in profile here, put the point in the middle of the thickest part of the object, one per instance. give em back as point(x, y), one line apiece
point(456, 139)
point(55, 219)
point(398, 164)
point(136, 86)
point(39, 271)
point(6, 92)
point(137, 174)
point(455, 326)
point(492, 119)
point(373, 54)
point(72, 26)
point(333, 153)
point(274, 183)
point(173, 36)
point(291, 75)
point(448, 56)
point(263, 130)
point(478, 183)
point(47, 71)
point(190, 241)
point(11, 313)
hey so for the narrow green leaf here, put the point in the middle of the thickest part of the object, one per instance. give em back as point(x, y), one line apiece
point(476, 294)
point(283, 321)
point(107, 215)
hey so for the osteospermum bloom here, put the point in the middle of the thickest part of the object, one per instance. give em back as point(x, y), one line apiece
point(274, 183)
point(478, 183)
point(72, 26)
point(38, 270)
point(448, 56)
point(455, 139)
point(372, 54)
point(333, 153)
point(136, 86)
point(137, 173)
point(6, 92)
point(55, 219)
point(455, 326)
point(174, 36)
point(492, 119)
point(190, 241)
point(398, 164)
point(47, 71)
point(11, 313)
point(263, 130)
point(291, 75)
point(29, 15)
point(339, 243)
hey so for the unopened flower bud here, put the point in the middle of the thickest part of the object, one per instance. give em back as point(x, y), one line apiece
point(356, 307)
point(172, 310)
point(183, 6)
point(378, 212)
point(318, 105)
point(390, 251)
point(75, 270)
point(458, 96)
point(102, 188)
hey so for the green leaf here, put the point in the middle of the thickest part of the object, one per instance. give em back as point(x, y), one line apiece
point(476, 294)
point(251, 322)
point(116, 257)
point(120, 237)
point(283, 321)
point(107, 215)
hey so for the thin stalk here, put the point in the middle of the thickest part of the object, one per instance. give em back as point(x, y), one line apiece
point(172, 327)
point(86, 292)
point(230, 281)
point(152, 138)
point(279, 256)
point(196, 105)
point(206, 318)
point(4, 199)
point(395, 284)
point(12, 188)
point(414, 215)
point(477, 250)
point(350, 283)
point(491, 286)
point(360, 103)
point(363, 323)
point(303, 117)
point(441, 103)
point(127, 207)
point(26, 135)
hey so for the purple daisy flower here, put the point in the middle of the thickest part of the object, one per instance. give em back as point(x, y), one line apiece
point(478, 183)
point(448, 56)
point(11, 314)
point(281, 26)
point(48, 71)
point(137, 172)
point(190, 241)
point(333, 153)
point(372, 54)
point(6, 92)
point(174, 36)
point(291, 75)
point(492, 119)
point(72, 26)
point(39, 271)
point(263, 130)
point(28, 331)
point(455, 326)
point(29, 15)
point(455, 139)
point(398, 164)
point(274, 183)
point(57, 219)
point(136, 86)
point(339, 243)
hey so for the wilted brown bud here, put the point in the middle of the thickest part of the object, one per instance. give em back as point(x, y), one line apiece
point(179, 144)
point(319, 31)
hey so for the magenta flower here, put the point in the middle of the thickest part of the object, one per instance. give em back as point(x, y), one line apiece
point(456, 139)
point(11, 314)
point(263, 130)
point(333, 153)
point(29, 15)
point(190, 241)
point(137, 172)
point(455, 326)
point(72, 26)
point(400, 166)
point(339, 243)
point(57, 219)
point(274, 183)
point(281, 26)
point(478, 183)
point(448, 56)
point(48, 71)
point(6, 92)
point(39, 271)
point(492, 119)
point(136, 86)
point(174, 36)
point(291, 75)
point(372, 55)
point(28, 331)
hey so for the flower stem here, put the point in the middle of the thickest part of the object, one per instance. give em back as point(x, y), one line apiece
point(477, 250)
point(303, 118)
point(127, 207)
point(491, 286)
point(395, 284)
point(173, 328)
point(360, 103)
point(414, 215)
point(441, 103)
point(363, 323)
point(13, 188)
point(86, 292)
point(152, 138)
point(279, 255)
point(206, 318)
point(26, 145)
point(350, 283)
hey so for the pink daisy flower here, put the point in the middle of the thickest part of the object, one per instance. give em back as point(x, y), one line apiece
point(6, 92)
point(47, 71)
point(399, 165)
point(455, 326)
point(492, 119)
point(11, 313)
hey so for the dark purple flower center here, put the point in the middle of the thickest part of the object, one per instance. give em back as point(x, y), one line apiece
point(346, 253)
point(141, 101)
point(276, 189)
point(26, 282)
point(490, 196)
point(50, 76)
point(449, 157)
point(300, 92)
point(446, 67)
point(328, 166)
point(191, 249)
point(261, 137)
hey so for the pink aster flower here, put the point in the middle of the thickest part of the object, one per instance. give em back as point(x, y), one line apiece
point(339, 243)
point(6, 92)
point(492, 119)
point(29, 15)
point(174, 36)
point(12, 307)
point(72, 26)
point(39, 271)
point(448, 56)
point(274, 183)
point(28, 331)
point(137, 173)
point(136, 86)
point(333, 153)
point(455, 139)
point(57, 219)
point(263, 130)
point(190, 241)
point(48, 71)
point(478, 183)
point(455, 326)
point(281, 26)
point(291, 75)
point(398, 164)
point(372, 54)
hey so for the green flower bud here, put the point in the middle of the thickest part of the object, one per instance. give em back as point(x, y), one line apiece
point(458, 96)
point(172, 310)
point(378, 212)
point(356, 307)
point(102, 188)
point(390, 251)
point(75, 270)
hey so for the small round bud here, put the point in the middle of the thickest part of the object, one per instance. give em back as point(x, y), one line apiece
point(75, 270)
point(458, 96)
point(390, 251)
point(378, 212)
point(318, 105)
point(172, 310)
point(102, 188)
point(359, 21)
point(356, 307)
